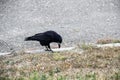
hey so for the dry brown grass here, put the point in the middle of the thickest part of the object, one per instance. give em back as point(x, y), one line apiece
point(107, 40)
point(104, 62)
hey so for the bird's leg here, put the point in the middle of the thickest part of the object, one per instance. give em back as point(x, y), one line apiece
point(46, 48)
point(50, 48)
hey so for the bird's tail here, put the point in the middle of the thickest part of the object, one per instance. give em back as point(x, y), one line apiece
point(29, 38)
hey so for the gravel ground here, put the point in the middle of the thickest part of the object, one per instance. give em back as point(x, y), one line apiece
point(77, 21)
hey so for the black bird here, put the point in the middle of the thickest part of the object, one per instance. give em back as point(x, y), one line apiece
point(46, 38)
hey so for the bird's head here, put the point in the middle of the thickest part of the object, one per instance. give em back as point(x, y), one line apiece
point(59, 42)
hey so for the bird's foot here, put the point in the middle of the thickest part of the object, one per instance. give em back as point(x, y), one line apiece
point(52, 51)
point(49, 50)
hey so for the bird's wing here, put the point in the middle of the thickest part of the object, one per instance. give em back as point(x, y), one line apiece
point(42, 37)
point(49, 35)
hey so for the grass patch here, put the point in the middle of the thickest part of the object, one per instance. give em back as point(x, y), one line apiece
point(93, 64)
point(86, 46)
point(107, 40)
point(116, 76)
point(58, 56)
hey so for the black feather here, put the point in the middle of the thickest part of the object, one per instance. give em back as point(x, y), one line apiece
point(46, 38)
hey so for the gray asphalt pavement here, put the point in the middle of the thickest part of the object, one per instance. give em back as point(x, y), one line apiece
point(77, 21)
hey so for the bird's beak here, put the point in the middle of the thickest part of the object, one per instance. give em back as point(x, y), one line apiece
point(59, 45)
